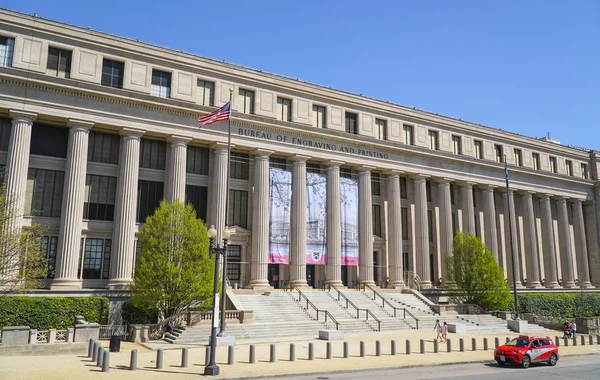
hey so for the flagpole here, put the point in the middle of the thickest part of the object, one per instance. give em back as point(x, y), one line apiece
point(510, 233)
point(224, 271)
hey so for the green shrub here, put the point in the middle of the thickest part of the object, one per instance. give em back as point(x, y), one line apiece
point(51, 312)
point(137, 315)
point(560, 305)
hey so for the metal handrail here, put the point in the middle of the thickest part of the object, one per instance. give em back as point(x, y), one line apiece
point(374, 317)
point(348, 302)
point(308, 303)
point(385, 301)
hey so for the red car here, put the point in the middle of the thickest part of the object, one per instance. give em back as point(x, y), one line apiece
point(525, 350)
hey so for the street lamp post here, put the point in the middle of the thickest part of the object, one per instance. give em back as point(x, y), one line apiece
point(212, 369)
point(226, 234)
point(510, 233)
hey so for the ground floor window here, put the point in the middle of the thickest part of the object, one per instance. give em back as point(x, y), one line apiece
point(234, 266)
point(96, 258)
point(49, 247)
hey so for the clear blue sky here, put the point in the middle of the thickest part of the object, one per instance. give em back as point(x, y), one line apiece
point(529, 67)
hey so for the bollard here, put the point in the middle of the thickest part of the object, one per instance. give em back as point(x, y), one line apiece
point(346, 351)
point(133, 360)
point(159, 358)
point(449, 345)
point(496, 342)
point(461, 344)
point(591, 340)
point(95, 351)
point(566, 341)
point(311, 351)
point(231, 355)
point(485, 344)
point(184, 357)
point(328, 350)
point(597, 339)
point(90, 347)
point(473, 344)
point(435, 346)
point(557, 341)
point(292, 352)
point(422, 346)
point(100, 356)
point(106, 361)
point(273, 354)
point(206, 355)
point(362, 349)
point(407, 347)
point(574, 341)
point(582, 340)
point(377, 348)
point(393, 348)
point(252, 358)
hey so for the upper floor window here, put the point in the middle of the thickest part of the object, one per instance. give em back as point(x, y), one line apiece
point(284, 109)
point(59, 62)
point(318, 116)
point(518, 157)
point(408, 134)
point(246, 101)
point(535, 157)
point(103, 147)
point(153, 154)
point(205, 93)
point(161, 84)
point(376, 215)
point(99, 197)
point(569, 168)
point(48, 140)
point(44, 192)
point(239, 166)
point(428, 190)
point(433, 140)
point(7, 47)
point(478, 145)
point(499, 150)
point(352, 123)
point(238, 208)
point(198, 197)
point(150, 193)
point(403, 188)
point(112, 73)
point(456, 146)
point(278, 163)
point(553, 167)
point(584, 171)
point(375, 184)
point(381, 126)
point(197, 160)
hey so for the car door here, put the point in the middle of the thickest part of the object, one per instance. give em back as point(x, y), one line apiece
point(544, 350)
point(534, 350)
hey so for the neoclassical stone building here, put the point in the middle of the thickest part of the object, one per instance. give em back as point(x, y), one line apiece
point(95, 130)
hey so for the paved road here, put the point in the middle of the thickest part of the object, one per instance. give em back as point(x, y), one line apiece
point(585, 367)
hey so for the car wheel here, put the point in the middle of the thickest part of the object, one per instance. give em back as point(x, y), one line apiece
point(500, 362)
point(553, 359)
point(526, 361)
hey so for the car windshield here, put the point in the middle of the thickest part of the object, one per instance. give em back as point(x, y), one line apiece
point(518, 342)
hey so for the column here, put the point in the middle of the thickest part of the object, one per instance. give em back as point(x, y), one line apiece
point(395, 265)
point(219, 193)
point(365, 226)
point(422, 231)
point(125, 210)
point(260, 221)
point(550, 270)
point(446, 233)
point(512, 241)
point(583, 270)
point(298, 222)
point(334, 228)
point(531, 251)
point(566, 254)
point(71, 222)
point(591, 224)
point(176, 170)
point(491, 233)
point(468, 210)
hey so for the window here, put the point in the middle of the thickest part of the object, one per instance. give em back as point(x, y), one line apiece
point(278, 163)
point(284, 109)
point(112, 73)
point(153, 154)
point(430, 224)
point(584, 171)
point(103, 147)
point(198, 197)
point(409, 138)
point(352, 123)
point(313, 168)
point(403, 189)
point(381, 126)
point(456, 147)
point(239, 166)
point(454, 224)
point(518, 157)
point(376, 220)
point(197, 160)
point(238, 208)
point(499, 150)
point(375, 184)
point(161, 84)
point(318, 116)
point(428, 190)
point(59, 63)
point(96, 258)
point(536, 160)
point(49, 247)
point(452, 194)
point(569, 168)
point(478, 145)
point(7, 47)
point(47, 140)
point(433, 140)
point(246, 101)
point(99, 197)
point(553, 167)
point(5, 128)
point(205, 93)
point(345, 173)
point(44, 192)
point(150, 193)
point(404, 215)
point(234, 259)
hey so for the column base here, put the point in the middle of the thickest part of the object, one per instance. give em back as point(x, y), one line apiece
point(337, 283)
point(66, 284)
point(552, 285)
point(534, 285)
point(588, 285)
point(299, 283)
point(259, 285)
point(519, 285)
point(396, 285)
point(570, 285)
point(426, 285)
point(119, 284)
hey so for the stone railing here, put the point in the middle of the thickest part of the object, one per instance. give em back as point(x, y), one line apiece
point(23, 335)
point(205, 317)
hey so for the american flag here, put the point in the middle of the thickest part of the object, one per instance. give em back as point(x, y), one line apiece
point(221, 114)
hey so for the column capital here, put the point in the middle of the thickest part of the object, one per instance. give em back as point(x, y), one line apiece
point(546, 196)
point(131, 132)
point(299, 158)
point(365, 169)
point(179, 140)
point(219, 146)
point(468, 184)
point(577, 201)
point(80, 124)
point(419, 177)
point(487, 187)
point(527, 193)
point(443, 180)
point(22, 115)
point(561, 198)
point(261, 153)
point(393, 173)
point(334, 163)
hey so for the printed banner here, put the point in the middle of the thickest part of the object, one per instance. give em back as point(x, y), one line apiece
point(316, 218)
point(280, 201)
point(349, 214)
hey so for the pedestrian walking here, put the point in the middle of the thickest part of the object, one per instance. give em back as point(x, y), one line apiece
point(444, 332)
point(574, 330)
point(438, 329)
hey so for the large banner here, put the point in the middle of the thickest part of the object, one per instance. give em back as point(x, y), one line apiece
point(316, 218)
point(280, 200)
point(349, 214)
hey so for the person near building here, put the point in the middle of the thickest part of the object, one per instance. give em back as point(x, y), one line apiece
point(574, 329)
point(438, 329)
point(445, 332)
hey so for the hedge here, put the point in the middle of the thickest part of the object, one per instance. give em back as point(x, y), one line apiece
point(136, 315)
point(560, 305)
point(51, 312)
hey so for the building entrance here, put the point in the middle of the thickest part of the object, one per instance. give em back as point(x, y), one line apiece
point(274, 275)
point(345, 275)
point(376, 267)
point(310, 275)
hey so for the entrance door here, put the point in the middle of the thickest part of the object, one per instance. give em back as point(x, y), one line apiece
point(310, 275)
point(376, 267)
point(345, 275)
point(274, 275)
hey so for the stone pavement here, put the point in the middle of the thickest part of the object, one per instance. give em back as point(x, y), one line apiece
point(81, 367)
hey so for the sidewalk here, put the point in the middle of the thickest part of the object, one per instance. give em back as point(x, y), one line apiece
point(80, 367)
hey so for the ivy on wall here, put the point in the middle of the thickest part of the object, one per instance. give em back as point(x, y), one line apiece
point(560, 305)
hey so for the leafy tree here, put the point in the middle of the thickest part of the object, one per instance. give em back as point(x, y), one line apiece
point(474, 276)
point(174, 272)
